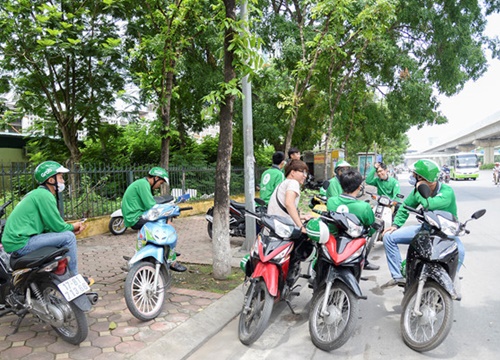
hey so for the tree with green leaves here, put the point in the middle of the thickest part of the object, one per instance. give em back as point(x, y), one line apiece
point(63, 60)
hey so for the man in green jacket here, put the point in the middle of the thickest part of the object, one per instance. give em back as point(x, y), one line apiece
point(442, 198)
point(272, 177)
point(334, 188)
point(351, 182)
point(379, 177)
point(35, 222)
point(138, 199)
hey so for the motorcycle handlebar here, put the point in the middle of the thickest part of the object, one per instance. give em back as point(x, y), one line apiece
point(409, 208)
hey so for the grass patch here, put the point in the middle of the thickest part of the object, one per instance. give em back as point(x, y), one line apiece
point(200, 277)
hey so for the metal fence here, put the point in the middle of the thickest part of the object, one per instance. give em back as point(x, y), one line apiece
point(98, 190)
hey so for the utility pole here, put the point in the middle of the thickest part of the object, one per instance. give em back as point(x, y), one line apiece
point(249, 159)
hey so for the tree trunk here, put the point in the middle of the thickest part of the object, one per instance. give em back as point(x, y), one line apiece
point(220, 243)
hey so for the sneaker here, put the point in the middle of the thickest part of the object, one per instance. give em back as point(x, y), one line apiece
point(177, 266)
point(370, 266)
point(89, 280)
point(394, 282)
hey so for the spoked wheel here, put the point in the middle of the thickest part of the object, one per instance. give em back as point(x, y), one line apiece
point(117, 226)
point(425, 331)
point(70, 322)
point(144, 300)
point(253, 321)
point(331, 330)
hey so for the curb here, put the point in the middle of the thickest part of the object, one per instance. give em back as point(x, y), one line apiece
point(188, 337)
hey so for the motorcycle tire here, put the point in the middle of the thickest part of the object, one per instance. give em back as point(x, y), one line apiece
point(73, 326)
point(142, 302)
point(333, 330)
point(426, 332)
point(209, 229)
point(117, 226)
point(253, 323)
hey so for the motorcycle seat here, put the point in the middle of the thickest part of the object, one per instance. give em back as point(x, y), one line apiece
point(237, 205)
point(36, 258)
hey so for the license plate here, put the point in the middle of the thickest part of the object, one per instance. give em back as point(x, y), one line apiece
point(73, 287)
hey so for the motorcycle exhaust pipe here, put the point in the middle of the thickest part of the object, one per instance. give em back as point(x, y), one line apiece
point(93, 297)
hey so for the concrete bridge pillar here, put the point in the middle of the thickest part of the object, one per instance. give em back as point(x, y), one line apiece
point(489, 149)
point(466, 147)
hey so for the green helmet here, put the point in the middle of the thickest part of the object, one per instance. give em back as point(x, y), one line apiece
point(317, 231)
point(427, 169)
point(342, 163)
point(47, 169)
point(160, 172)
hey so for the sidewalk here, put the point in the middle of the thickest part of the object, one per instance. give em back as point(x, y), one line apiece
point(189, 317)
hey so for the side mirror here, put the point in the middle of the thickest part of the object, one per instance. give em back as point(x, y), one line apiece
point(401, 196)
point(260, 202)
point(424, 190)
point(326, 184)
point(478, 214)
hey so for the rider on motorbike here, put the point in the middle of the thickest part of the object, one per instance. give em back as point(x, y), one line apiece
point(272, 177)
point(138, 199)
point(334, 187)
point(442, 198)
point(36, 222)
point(496, 173)
point(385, 184)
point(351, 182)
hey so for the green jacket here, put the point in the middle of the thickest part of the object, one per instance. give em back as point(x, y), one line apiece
point(137, 199)
point(334, 189)
point(270, 178)
point(389, 187)
point(347, 203)
point(37, 213)
point(443, 198)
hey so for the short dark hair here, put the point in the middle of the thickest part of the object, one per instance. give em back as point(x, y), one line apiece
point(297, 165)
point(350, 180)
point(382, 165)
point(293, 150)
point(278, 157)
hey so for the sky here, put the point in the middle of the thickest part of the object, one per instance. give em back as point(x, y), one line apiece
point(477, 101)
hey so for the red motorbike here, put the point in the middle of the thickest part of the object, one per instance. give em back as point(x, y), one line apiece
point(335, 279)
point(272, 270)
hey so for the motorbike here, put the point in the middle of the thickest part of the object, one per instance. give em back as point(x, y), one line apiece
point(272, 270)
point(335, 279)
point(496, 177)
point(236, 217)
point(444, 176)
point(116, 224)
point(149, 277)
point(431, 277)
point(384, 211)
point(40, 283)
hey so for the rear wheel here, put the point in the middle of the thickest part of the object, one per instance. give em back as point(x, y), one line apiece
point(209, 229)
point(144, 300)
point(70, 322)
point(425, 331)
point(117, 225)
point(254, 321)
point(331, 330)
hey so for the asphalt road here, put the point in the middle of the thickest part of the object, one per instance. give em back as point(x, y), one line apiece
point(476, 328)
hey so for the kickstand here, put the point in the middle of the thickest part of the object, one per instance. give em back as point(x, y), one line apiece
point(290, 306)
point(18, 322)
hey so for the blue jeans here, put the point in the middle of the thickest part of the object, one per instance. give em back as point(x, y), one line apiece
point(405, 235)
point(63, 239)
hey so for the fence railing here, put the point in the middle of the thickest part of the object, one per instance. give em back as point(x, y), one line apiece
point(98, 190)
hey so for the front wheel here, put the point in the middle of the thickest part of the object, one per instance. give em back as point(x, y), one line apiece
point(253, 321)
point(209, 229)
point(425, 331)
point(116, 225)
point(70, 322)
point(331, 330)
point(144, 300)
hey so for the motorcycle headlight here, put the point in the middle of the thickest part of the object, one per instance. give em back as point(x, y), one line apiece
point(353, 229)
point(385, 201)
point(449, 227)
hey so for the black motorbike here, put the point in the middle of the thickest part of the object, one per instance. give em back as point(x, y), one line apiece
point(236, 217)
point(431, 277)
point(41, 284)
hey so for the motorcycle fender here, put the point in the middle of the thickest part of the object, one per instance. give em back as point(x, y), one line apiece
point(270, 274)
point(147, 252)
point(117, 213)
point(438, 274)
point(347, 278)
point(209, 216)
point(82, 301)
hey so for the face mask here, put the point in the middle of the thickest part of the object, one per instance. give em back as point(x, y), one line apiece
point(412, 180)
point(60, 187)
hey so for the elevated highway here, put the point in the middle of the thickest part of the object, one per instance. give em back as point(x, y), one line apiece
point(484, 134)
